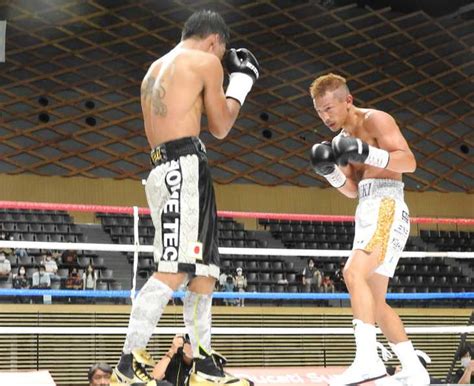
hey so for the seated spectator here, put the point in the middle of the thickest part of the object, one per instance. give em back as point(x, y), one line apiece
point(175, 365)
point(20, 281)
point(327, 284)
point(99, 374)
point(229, 286)
point(464, 374)
point(21, 252)
point(240, 283)
point(40, 279)
point(5, 267)
point(74, 282)
point(312, 277)
point(69, 258)
point(222, 279)
point(6, 250)
point(89, 278)
point(339, 284)
point(50, 266)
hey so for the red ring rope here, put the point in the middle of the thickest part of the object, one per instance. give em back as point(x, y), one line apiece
point(255, 215)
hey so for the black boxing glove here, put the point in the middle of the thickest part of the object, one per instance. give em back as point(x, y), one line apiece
point(244, 70)
point(324, 164)
point(350, 149)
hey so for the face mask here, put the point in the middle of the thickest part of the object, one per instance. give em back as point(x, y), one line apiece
point(22, 271)
point(465, 361)
point(2, 258)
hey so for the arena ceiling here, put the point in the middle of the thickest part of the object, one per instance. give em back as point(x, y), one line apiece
point(69, 95)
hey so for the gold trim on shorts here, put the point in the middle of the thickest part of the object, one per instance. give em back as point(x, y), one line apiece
point(384, 224)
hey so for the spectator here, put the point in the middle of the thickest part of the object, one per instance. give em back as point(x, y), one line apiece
point(464, 375)
point(69, 258)
point(74, 281)
point(20, 281)
point(229, 286)
point(40, 279)
point(5, 267)
point(175, 365)
point(21, 253)
point(312, 277)
point(89, 278)
point(18, 252)
point(50, 266)
point(327, 284)
point(7, 251)
point(339, 284)
point(223, 279)
point(99, 374)
point(240, 283)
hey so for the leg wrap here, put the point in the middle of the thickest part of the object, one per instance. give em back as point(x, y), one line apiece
point(146, 312)
point(198, 320)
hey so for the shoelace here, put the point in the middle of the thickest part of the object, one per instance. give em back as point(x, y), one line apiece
point(141, 372)
point(386, 354)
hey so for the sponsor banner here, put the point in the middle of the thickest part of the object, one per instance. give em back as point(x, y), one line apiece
point(287, 376)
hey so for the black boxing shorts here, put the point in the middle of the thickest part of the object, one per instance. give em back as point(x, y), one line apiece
point(181, 198)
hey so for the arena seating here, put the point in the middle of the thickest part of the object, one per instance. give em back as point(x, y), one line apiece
point(48, 226)
point(266, 273)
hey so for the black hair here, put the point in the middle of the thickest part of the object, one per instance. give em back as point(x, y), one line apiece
point(98, 366)
point(204, 23)
point(465, 349)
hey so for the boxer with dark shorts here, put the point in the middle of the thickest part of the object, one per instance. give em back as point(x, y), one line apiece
point(177, 89)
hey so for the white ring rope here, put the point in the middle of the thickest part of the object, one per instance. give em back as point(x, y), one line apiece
point(223, 250)
point(228, 330)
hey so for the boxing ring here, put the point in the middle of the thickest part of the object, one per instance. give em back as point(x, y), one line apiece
point(271, 345)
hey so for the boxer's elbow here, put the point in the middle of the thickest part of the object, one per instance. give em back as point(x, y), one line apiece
point(219, 131)
point(349, 193)
point(411, 164)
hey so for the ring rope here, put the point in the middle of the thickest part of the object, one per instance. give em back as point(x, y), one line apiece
point(228, 330)
point(256, 215)
point(236, 295)
point(223, 250)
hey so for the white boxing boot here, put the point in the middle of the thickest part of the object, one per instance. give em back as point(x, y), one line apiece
point(413, 373)
point(367, 365)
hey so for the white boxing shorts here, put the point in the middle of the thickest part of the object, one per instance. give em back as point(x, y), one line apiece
point(382, 219)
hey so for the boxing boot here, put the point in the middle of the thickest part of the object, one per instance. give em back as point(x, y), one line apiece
point(131, 368)
point(367, 365)
point(209, 370)
point(413, 373)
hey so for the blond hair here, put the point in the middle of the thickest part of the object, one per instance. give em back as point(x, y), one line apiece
point(328, 82)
